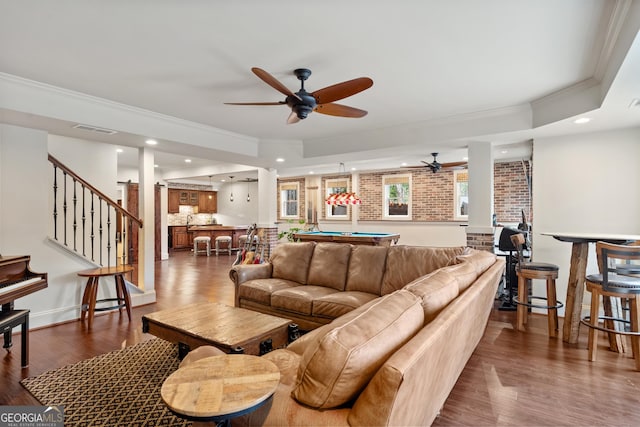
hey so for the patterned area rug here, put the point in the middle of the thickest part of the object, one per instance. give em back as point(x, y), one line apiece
point(121, 388)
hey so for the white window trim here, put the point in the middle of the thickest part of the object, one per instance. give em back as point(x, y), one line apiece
point(456, 198)
point(328, 184)
point(282, 187)
point(385, 204)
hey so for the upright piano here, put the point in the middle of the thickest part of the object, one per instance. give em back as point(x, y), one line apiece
point(16, 281)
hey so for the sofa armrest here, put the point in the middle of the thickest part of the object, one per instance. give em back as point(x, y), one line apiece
point(242, 273)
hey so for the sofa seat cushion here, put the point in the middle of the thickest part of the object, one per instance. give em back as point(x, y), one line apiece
point(407, 263)
point(329, 265)
point(336, 367)
point(366, 269)
point(436, 290)
point(260, 290)
point(339, 303)
point(291, 261)
point(299, 299)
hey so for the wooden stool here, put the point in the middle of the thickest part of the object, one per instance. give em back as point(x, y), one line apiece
point(615, 281)
point(225, 240)
point(528, 271)
point(89, 297)
point(202, 239)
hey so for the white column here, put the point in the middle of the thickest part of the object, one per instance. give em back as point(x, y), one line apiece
point(355, 209)
point(267, 197)
point(146, 208)
point(480, 187)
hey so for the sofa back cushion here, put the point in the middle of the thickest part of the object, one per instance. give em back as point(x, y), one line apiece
point(481, 260)
point(336, 367)
point(407, 263)
point(366, 268)
point(436, 290)
point(465, 273)
point(329, 265)
point(291, 261)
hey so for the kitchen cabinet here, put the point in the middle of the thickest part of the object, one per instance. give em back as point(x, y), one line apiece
point(181, 238)
point(188, 197)
point(208, 202)
point(174, 201)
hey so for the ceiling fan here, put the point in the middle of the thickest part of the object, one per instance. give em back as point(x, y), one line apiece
point(302, 103)
point(435, 166)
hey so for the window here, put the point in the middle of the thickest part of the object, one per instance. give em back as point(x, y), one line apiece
point(397, 196)
point(335, 186)
point(289, 200)
point(461, 194)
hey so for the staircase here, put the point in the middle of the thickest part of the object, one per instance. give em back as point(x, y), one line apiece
point(88, 223)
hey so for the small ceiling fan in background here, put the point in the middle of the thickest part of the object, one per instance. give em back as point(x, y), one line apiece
point(435, 166)
point(302, 103)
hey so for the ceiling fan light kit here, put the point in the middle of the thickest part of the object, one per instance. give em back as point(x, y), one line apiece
point(303, 103)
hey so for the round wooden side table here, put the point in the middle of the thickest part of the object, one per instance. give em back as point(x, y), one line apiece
point(219, 388)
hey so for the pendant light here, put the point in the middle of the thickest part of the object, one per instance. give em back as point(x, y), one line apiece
point(248, 194)
point(231, 196)
point(343, 198)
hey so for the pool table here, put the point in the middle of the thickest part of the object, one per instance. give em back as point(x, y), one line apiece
point(355, 238)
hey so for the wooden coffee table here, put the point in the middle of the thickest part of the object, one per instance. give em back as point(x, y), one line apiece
point(218, 388)
point(231, 329)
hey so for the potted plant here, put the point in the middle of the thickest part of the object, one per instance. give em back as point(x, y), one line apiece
point(292, 230)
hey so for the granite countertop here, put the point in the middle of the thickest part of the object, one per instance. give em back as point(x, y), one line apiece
point(214, 227)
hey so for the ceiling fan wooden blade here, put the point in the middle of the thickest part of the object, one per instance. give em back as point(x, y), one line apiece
point(255, 103)
point(342, 90)
point(332, 109)
point(293, 118)
point(454, 165)
point(273, 82)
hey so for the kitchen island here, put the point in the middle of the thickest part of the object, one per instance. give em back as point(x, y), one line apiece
point(182, 236)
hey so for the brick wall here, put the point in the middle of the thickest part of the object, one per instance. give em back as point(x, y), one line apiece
point(432, 193)
point(511, 192)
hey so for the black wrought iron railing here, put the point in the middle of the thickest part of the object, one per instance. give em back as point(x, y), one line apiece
point(88, 222)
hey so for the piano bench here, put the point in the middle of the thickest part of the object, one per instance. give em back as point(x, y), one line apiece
point(10, 320)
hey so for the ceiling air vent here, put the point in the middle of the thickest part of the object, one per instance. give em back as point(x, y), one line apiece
point(95, 129)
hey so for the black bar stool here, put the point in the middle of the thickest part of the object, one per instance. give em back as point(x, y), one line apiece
point(528, 271)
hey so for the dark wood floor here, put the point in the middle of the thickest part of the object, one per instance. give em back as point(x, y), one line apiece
point(513, 378)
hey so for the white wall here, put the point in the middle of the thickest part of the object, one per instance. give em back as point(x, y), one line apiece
point(25, 219)
point(238, 212)
point(583, 183)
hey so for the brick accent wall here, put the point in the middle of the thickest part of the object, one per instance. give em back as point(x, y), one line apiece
point(432, 193)
point(269, 237)
point(431, 198)
point(481, 241)
point(511, 192)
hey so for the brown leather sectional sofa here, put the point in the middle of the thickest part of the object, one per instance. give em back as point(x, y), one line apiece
point(394, 328)
point(314, 283)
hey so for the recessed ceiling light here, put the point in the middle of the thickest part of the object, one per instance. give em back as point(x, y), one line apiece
point(279, 160)
point(151, 142)
point(223, 180)
point(187, 160)
point(582, 120)
point(403, 164)
point(119, 150)
point(504, 151)
point(310, 172)
point(155, 166)
point(353, 169)
point(465, 158)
